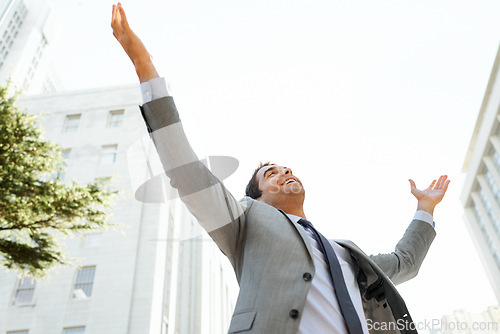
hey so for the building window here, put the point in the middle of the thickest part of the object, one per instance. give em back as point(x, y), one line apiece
point(496, 160)
point(493, 186)
point(35, 61)
point(496, 132)
point(103, 181)
point(25, 291)
point(496, 191)
point(115, 118)
point(71, 123)
point(108, 154)
point(24, 331)
point(66, 153)
point(489, 208)
point(74, 330)
point(84, 282)
point(487, 237)
point(164, 326)
point(92, 240)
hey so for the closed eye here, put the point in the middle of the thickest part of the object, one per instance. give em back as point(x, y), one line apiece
point(269, 172)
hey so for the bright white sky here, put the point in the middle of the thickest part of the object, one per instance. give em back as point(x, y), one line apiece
point(355, 96)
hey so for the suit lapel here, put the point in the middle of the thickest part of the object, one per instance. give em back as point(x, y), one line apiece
point(302, 233)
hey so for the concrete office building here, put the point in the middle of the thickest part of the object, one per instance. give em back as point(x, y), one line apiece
point(147, 275)
point(481, 192)
point(28, 31)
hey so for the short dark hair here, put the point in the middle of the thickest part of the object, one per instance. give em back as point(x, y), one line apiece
point(252, 189)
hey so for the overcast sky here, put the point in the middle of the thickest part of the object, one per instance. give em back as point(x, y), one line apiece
point(355, 96)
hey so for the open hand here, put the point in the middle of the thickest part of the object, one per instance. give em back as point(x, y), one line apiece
point(132, 45)
point(430, 197)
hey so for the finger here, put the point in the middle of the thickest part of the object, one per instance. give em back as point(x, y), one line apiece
point(115, 21)
point(433, 183)
point(445, 181)
point(445, 187)
point(113, 15)
point(412, 184)
point(441, 182)
point(123, 16)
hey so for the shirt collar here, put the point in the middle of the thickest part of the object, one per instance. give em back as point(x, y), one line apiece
point(294, 218)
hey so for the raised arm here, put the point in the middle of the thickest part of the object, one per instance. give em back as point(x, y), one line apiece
point(409, 253)
point(132, 45)
point(204, 195)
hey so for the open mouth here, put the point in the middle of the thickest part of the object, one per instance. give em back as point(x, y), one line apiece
point(289, 181)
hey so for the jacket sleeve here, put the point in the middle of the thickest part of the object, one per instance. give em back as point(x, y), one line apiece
point(404, 263)
point(204, 195)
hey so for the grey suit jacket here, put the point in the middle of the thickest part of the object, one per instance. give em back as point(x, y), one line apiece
point(269, 253)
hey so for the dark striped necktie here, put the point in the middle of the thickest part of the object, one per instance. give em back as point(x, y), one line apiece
point(346, 306)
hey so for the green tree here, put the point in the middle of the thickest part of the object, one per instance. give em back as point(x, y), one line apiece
point(36, 208)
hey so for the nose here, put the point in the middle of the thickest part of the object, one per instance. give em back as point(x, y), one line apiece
point(287, 171)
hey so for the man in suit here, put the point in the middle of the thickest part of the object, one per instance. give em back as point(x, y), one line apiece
point(292, 279)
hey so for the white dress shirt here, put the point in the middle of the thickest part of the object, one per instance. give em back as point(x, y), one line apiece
point(322, 311)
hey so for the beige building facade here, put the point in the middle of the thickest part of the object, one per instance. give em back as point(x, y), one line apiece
point(156, 272)
point(481, 191)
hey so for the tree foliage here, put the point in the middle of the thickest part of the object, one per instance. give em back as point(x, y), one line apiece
point(35, 205)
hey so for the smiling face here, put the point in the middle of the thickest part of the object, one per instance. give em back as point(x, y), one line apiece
point(280, 188)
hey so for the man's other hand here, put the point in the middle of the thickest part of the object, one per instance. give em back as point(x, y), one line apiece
point(430, 197)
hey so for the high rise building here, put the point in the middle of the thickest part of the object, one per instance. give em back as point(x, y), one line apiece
point(154, 272)
point(481, 191)
point(28, 31)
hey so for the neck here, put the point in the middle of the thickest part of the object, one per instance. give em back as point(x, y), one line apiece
point(295, 208)
point(296, 212)
point(292, 206)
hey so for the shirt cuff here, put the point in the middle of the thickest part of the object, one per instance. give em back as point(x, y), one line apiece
point(424, 216)
point(154, 89)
